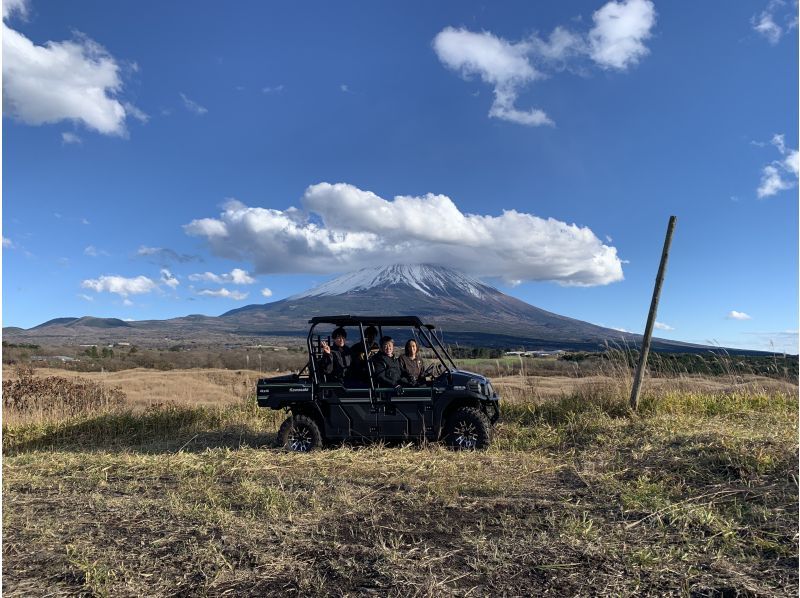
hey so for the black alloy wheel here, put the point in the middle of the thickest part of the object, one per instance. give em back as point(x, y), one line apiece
point(299, 433)
point(468, 429)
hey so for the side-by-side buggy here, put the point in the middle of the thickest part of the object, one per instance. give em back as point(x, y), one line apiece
point(446, 403)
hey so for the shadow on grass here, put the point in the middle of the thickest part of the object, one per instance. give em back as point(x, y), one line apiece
point(162, 430)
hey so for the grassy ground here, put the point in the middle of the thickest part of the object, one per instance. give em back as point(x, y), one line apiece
point(697, 496)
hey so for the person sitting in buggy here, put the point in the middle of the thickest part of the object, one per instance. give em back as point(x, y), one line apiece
point(359, 371)
point(335, 361)
point(411, 363)
point(386, 367)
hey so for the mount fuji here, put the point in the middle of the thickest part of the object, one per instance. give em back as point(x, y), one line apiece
point(467, 310)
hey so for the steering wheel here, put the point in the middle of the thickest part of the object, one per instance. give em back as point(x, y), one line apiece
point(433, 370)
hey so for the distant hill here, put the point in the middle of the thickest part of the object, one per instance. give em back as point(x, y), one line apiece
point(54, 322)
point(87, 321)
point(466, 310)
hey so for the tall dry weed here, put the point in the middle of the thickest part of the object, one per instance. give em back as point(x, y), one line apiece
point(31, 398)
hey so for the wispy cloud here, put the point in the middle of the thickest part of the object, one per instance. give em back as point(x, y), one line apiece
point(136, 113)
point(70, 138)
point(75, 80)
point(778, 18)
point(235, 276)
point(785, 341)
point(662, 326)
point(167, 278)
point(165, 255)
point(266, 292)
point(225, 293)
point(738, 315)
point(342, 227)
point(93, 251)
point(274, 89)
point(781, 174)
point(8, 243)
point(193, 106)
point(616, 41)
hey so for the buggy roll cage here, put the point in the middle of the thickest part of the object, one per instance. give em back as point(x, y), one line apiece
point(421, 330)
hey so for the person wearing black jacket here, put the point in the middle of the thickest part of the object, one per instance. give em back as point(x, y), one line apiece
point(386, 367)
point(336, 360)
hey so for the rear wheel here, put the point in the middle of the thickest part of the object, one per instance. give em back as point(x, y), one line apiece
point(299, 433)
point(468, 429)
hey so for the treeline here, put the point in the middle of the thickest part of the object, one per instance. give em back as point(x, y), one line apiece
point(710, 364)
point(129, 357)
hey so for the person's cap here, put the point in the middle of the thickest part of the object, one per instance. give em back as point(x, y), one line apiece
point(339, 332)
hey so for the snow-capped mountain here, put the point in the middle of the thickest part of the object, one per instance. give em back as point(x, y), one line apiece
point(427, 279)
point(466, 309)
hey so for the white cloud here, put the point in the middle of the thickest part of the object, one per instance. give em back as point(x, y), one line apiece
point(86, 297)
point(266, 292)
point(223, 292)
point(777, 19)
point(791, 162)
point(342, 228)
point(127, 302)
point(208, 227)
point(74, 80)
point(500, 63)
point(616, 41)
point(781, 174)
point(772, 182)
point(738, 315)
point(120, 285)
point(193, 106)
point(68, 137)
point(344, 88)
point(275, 89)
point(620, 29)
point(7, 243)
point(168, 279)
point(662, 326)
point(235, 276)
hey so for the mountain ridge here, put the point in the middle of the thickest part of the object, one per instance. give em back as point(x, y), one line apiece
point(467, 310)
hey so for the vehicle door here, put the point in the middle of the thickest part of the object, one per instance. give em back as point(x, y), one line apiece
point(351, 412)
point(404, 413)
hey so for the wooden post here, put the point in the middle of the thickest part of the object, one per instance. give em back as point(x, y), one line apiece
point(651, 317)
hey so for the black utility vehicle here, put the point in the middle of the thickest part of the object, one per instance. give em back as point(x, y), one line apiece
point(446, 403)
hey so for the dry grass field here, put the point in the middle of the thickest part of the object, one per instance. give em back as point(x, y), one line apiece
point(173, 490)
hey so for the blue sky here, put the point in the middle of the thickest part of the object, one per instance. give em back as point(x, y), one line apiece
point(162, 159)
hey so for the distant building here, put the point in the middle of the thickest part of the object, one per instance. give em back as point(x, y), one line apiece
point(540, 353)
point(61, 358)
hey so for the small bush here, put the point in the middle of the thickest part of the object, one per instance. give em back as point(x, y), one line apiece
point(54, 396)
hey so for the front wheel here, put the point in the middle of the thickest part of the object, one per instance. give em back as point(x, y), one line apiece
point(468, 429)
point(299, 433)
